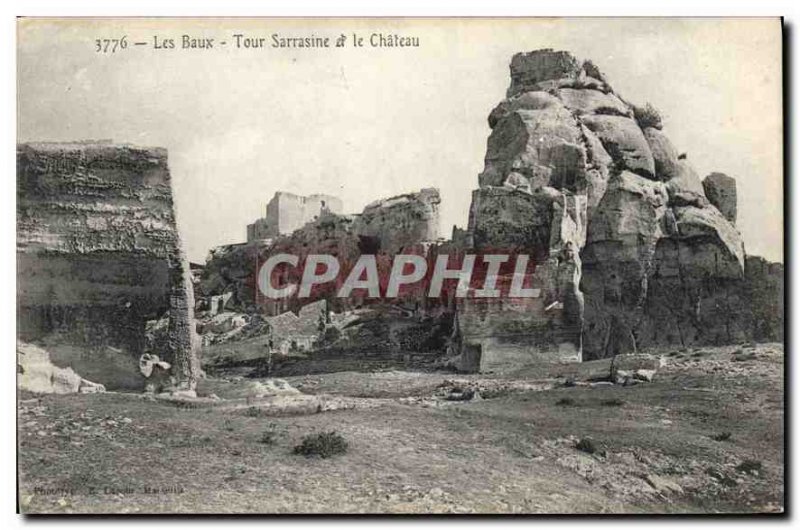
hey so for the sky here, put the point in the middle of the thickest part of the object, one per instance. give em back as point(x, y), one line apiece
point(368, 122)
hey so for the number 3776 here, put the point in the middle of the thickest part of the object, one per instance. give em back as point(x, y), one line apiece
point(110, 45)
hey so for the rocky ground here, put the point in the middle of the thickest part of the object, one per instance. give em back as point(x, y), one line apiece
point(706, 436)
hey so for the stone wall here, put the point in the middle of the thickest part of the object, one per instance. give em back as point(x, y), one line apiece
point(98, 254)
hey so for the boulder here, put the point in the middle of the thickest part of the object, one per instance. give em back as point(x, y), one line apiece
point(36, 373)
point(664, 153)
point(720, 189)
point(707, 228)
point(156, 373)
point(545, 146)
point(640, 367)
point(89, 387)
point(624, 141)
point(684, 187)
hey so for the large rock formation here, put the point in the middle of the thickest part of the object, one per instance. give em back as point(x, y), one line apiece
point(655, 251)
point(98, 254)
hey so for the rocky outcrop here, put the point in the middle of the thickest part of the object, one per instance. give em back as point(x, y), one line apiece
point(720, 189)
point(98, 253)
point(655, 242)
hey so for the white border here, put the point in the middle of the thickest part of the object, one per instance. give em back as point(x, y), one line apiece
point(319, 8)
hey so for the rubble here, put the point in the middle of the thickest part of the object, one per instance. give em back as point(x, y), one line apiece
point(36, 373)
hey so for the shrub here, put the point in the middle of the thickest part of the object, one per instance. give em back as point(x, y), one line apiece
point(751, 467)
point(254, 412)
point(586, 445)
point(721, 437)
point(647, 116)
point(566, 402)
point(614, 402)
point(323, 445)
point(267, 438)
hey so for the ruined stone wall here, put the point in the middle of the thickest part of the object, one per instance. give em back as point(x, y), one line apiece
point(260, 229)
point(98, 252)
point(287, 212)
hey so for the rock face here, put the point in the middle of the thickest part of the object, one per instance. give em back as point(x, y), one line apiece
point(721, 191)
point(656, 258)
point(624, 141)
point(98, 254)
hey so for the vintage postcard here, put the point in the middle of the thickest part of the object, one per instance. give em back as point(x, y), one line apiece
point(400, 266)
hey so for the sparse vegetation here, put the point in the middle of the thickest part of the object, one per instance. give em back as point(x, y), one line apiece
point(254, 412)
point(647, 116)
point(567, 402)
point(608, 111)
point(323, 445)
point(750, 467)
point(267, 437)
point(613, 402)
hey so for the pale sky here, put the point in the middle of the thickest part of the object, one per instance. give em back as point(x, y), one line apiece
point(366, 123)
